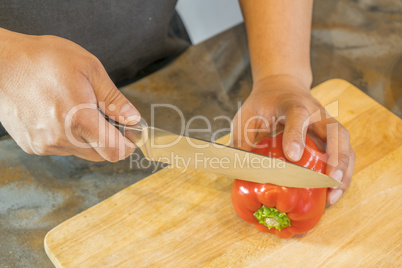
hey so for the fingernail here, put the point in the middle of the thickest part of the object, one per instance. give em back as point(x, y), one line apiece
point(130, 114)
point(335, 194)
point(294, 151)
point(338, 175)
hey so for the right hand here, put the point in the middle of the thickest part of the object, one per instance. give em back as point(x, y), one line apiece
point(50, 92)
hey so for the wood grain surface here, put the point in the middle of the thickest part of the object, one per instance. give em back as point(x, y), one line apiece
point(174, 219)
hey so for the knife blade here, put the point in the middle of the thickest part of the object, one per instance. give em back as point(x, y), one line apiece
point(184, 152)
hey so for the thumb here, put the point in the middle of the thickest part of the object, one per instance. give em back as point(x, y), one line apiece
point(110, 100)
point(297, 120)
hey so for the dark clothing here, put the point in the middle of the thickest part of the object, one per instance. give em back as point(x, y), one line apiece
point(126, 36)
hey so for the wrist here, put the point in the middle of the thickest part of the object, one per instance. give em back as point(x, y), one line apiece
point(283, 82)
point(293, 69)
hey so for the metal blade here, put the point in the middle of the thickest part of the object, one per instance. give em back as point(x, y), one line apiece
point(183, 152)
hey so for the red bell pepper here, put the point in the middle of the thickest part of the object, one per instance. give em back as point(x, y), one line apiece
point(284, 211)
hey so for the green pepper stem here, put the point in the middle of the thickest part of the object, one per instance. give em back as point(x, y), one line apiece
point(272, 218)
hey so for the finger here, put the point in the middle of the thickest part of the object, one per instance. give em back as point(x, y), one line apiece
point(44, 150)
point(241, 136)
point(340, 158)
point(317, 141)
point(105, 139)
point(76, 128)
point(318, 125)
point(89, 154)
point(335, 193)
point(110, 100)
point(294, 136)
point(111, 144)
point(92, 156)
point(48, 151)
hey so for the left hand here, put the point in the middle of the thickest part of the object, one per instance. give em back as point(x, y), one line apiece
point(282, 101)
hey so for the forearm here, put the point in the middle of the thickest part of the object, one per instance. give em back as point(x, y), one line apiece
point(279, 38)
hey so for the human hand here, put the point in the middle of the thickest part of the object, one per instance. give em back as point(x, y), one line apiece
point(50, 92)
point(282, 101)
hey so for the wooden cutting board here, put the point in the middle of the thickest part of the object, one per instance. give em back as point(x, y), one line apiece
point(182, 220)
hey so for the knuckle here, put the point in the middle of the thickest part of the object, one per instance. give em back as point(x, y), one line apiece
point(94, 62)
point(48, 38)
point(299, 109)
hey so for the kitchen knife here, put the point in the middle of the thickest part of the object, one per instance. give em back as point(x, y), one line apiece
point(184, 152)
